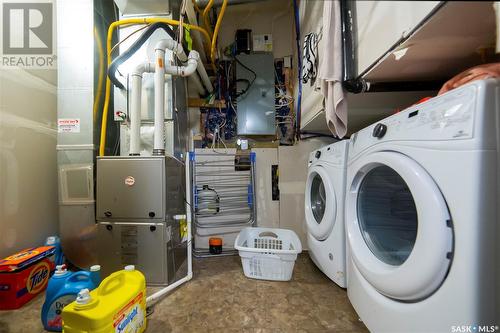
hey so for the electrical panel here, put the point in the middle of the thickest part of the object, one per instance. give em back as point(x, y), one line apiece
point(256, 105)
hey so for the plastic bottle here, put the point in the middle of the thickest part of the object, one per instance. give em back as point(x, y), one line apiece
point(208, 201)
point(56, 242)
point(117, 305)
point(63, 289)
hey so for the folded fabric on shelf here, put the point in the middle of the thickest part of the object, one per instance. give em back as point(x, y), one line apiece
point(330, 70)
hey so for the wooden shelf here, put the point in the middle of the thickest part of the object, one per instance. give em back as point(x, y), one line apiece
point(200, 103)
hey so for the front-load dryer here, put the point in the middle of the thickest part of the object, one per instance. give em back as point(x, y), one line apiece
point(421, 216)
point(324, 210)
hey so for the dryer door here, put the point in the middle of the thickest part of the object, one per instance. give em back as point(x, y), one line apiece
point(320, 203)
point(398, 226)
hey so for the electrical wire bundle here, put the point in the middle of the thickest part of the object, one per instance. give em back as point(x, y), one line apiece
point(220, 123)
point(284, 117)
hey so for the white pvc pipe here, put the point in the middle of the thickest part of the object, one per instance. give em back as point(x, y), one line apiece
point(178, 50)
point(192, 64)
point(181, 55)
point(170, 44)
point(135, 106)
point(195, 80)
point(204, 77)
point(159, 79)
point(160, 69)
point(188, 216)
point(198, 44)
point(135, 114)
point(151, 300)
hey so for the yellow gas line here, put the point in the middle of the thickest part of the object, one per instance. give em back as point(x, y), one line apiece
point(216, 30)
point(112, 27)
point(205, 17)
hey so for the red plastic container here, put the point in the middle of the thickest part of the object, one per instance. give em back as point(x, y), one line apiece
point(24, 275)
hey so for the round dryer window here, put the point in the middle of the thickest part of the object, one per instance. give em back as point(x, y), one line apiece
point(398, 226)
point(387, 215)
point(320, 203)
point(318, 198)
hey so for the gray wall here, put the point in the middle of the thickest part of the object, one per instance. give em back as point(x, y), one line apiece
point(28, 173)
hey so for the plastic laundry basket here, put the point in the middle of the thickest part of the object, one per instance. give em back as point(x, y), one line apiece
point(267, 253)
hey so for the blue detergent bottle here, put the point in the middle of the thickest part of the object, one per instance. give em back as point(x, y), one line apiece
point(62, 289)
point(56, 242)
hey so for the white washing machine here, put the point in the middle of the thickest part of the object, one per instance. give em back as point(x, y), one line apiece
point(324, 209)
point(421, 216)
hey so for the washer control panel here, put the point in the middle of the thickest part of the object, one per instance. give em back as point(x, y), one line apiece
point(335, 154)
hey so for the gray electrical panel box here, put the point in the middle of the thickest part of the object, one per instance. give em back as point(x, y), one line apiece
point(255, 108)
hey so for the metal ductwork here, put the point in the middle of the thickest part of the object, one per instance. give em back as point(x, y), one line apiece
point(218, 3)
point(75, 143)
point(143, 7)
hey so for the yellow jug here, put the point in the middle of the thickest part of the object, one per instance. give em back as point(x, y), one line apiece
point(118, 305)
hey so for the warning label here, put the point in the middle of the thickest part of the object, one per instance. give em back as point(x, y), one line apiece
point(68, 125)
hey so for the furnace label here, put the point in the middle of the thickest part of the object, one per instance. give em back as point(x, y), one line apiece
point(68, 125)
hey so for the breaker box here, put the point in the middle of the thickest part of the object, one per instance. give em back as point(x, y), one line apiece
point(255, 107)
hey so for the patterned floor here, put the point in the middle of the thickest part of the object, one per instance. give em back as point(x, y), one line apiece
point(221, 299)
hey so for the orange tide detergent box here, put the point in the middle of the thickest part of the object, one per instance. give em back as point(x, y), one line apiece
point(24, 275)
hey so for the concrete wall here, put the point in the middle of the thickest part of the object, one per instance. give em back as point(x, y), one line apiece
point(268, 210)
point(28, 174)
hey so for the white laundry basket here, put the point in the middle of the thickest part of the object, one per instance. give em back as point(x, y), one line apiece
point(268, 253)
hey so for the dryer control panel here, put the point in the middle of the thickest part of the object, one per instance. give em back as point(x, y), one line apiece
point(455, 115)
